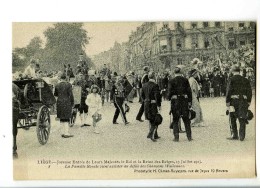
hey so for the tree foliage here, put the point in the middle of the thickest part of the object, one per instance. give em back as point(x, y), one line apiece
point(65, 41)
point(22, 56)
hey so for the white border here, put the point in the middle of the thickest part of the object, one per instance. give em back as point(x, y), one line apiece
point(107, 10)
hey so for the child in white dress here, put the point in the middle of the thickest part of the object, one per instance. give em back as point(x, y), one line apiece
point(94, 103)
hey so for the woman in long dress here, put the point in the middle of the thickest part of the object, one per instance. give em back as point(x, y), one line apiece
point(198, 120)
point(65, 102)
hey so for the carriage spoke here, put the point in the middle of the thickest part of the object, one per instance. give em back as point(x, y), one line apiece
point(42, 135)
point(46, 133)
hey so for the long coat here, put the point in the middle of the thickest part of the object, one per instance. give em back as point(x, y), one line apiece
point(150, 91)
point(65, 100)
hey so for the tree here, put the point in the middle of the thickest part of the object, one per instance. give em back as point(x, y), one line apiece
point(22, 56)
point(65, 41)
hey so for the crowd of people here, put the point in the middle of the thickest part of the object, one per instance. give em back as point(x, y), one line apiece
point(183, 87)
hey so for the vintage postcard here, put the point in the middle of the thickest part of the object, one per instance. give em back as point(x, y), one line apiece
point(134, 100)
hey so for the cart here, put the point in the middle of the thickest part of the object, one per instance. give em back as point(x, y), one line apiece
point(36, 97)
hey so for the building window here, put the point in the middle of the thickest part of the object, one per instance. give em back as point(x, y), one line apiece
point(241, 24)
point(179, 61)
point(205, 24)
point(206, 43)
point(230, 29)
point(193, 25)
point(165, 24)
point(217, 24)
point(179, 24)
point(178, 44)
point(231, 43)
point(252, 25)
point(242, 43)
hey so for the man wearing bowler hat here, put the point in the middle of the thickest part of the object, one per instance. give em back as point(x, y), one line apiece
point(180, 95)
point(238, 99)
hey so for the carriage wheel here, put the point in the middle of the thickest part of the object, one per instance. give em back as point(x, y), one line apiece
point(43, 126)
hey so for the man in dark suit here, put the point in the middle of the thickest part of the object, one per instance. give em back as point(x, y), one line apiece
point(152, 102)
point(181, 99)
point(238, 99)
point(143, 81)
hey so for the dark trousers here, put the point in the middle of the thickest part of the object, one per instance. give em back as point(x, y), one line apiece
point(242, 128)
point(152, 131)
point(176, 129)
point(118, 102)
point(141, 111)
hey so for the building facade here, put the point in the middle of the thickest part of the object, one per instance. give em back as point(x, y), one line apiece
point(163, 45)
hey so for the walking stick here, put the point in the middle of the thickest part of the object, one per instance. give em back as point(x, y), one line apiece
point(230, 126)
point(170, 120)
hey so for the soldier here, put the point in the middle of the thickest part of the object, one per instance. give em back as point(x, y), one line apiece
point(180, 96)
point(238, 99)
point(152, 104)
point(118, 93)
point(143, 80)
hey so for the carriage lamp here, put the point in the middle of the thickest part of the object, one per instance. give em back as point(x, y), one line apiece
point(39, 84)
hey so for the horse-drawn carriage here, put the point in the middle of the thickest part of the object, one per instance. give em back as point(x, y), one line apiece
point(36, 98)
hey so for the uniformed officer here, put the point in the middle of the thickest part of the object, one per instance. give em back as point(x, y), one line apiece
point(180, 96)
point(143, 80)
point(118, 93)
point(238, 99)
point(152, 103)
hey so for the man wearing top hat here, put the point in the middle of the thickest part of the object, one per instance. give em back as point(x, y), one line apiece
point(238, 99)
point(143, 81)
point(180, 95)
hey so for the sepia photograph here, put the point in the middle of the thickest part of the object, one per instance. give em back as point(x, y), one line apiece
point(129, 93)
point(134, 100)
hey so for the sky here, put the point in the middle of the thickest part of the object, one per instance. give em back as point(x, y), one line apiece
point(102, 34)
